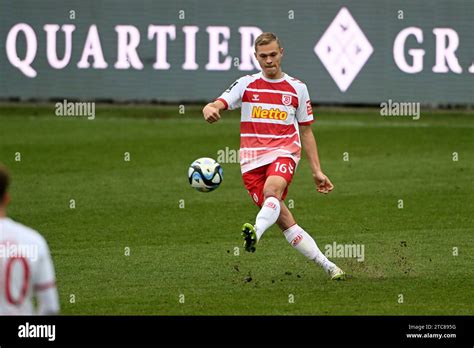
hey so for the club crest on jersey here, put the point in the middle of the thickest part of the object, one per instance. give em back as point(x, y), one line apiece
point(286, 99)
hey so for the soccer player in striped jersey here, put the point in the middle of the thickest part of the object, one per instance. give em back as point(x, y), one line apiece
point(275, 123)
point(26, 268)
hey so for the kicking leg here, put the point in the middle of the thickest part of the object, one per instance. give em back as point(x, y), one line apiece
point(268, 214)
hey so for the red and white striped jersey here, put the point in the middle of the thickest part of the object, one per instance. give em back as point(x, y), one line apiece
point(272, 110)
point(26, 271)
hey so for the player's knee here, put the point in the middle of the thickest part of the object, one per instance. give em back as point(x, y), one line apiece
point(272, 191)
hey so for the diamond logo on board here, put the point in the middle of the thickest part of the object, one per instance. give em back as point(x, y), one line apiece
point(343, 49)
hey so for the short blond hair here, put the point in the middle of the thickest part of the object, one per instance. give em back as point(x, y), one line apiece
point(265, 39)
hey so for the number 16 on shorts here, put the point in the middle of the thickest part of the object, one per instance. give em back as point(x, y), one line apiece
point(282, 167)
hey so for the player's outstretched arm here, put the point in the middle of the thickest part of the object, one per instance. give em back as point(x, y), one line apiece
point(323, 184)
point(211, 111)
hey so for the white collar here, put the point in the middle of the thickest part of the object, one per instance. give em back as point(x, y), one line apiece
point(273, 80)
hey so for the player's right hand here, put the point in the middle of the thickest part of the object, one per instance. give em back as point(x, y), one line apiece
point(211, 113)
point(323, 184)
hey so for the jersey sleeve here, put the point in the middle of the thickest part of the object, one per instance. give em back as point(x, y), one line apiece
point(304, 113)
point(48, 302)
point(232, 96)
point(44, 282)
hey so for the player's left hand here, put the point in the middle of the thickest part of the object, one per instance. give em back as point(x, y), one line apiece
point(323, 184)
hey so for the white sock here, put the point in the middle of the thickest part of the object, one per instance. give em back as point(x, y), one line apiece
point(267, 216)
point(305, 244)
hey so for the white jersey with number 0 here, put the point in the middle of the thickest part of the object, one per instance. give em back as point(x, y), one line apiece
point(26, 271)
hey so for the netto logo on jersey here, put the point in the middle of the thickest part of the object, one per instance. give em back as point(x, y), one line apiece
point(272, 114)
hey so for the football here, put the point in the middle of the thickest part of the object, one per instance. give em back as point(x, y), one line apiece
point(205, 174)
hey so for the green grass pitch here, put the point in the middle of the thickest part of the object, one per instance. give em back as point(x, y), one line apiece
point(182, 260)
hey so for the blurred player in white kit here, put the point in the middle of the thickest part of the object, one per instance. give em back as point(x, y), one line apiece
point(26, 268)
